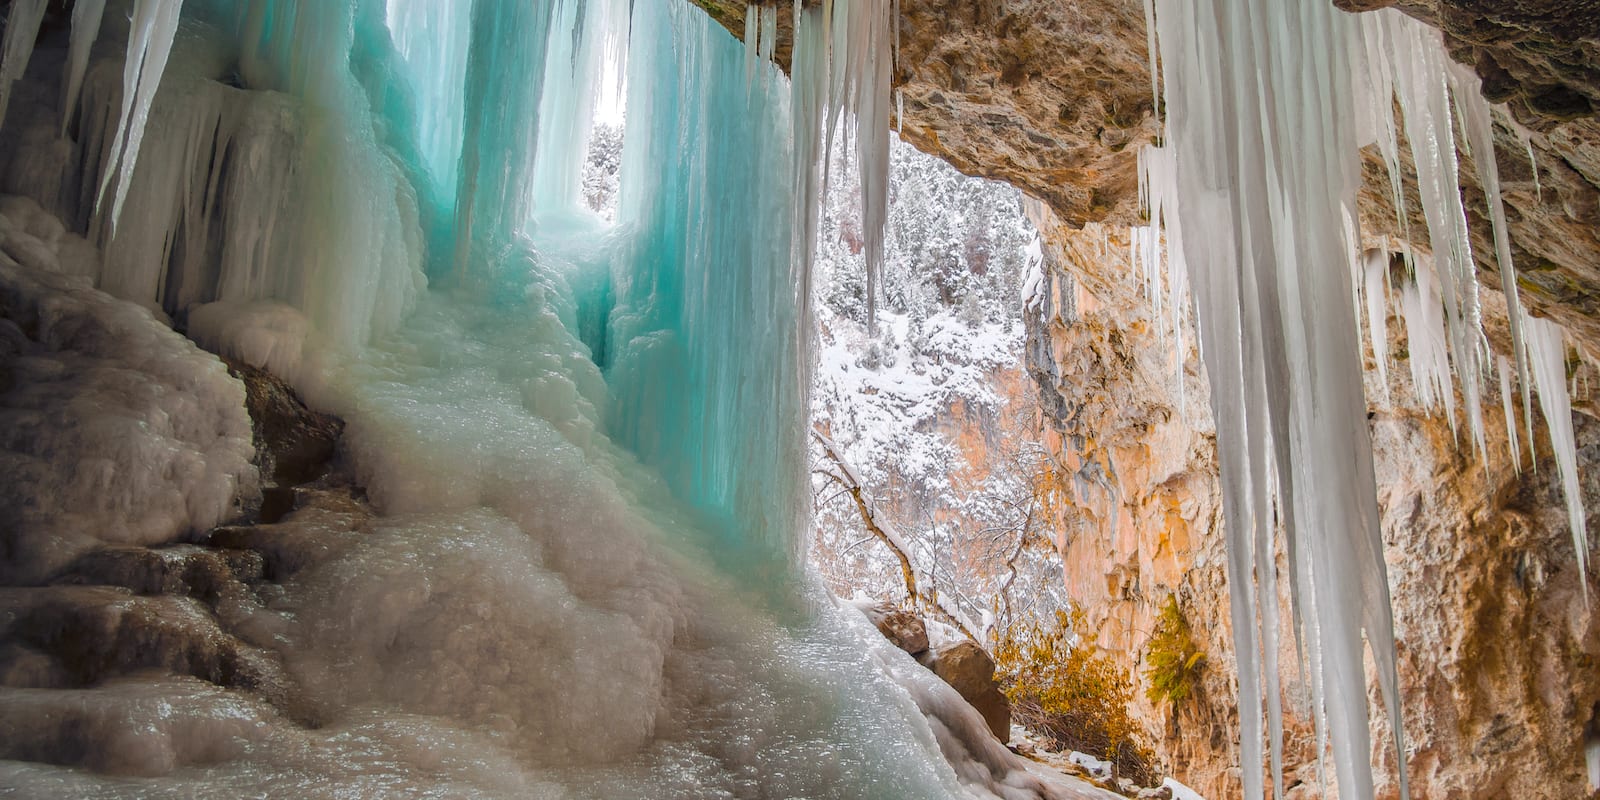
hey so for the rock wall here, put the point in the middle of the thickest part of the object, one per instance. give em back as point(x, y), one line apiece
point(1497, 647)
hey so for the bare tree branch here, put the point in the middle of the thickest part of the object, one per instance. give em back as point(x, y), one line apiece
point(886, 533)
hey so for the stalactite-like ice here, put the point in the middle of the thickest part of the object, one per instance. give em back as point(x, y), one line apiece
point(1422, 89)
point(1428, 342)
point(153, 25)
point(1506, 406)
point(1375, 291)
point(1260, 103)
point(1547, 361)
point(22, 28)
point(843, 52)
point(86, 17)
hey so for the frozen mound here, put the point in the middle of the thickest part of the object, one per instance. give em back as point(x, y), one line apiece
point(113, 428)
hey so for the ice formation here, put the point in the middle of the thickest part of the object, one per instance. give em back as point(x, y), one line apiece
point(22, 27)
point(1267, 106)
point(583, 441)
point(154, 24)
point(86, 18)
point(1547, 361)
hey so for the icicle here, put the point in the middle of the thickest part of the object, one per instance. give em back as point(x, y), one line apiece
point(769, 32)
point(153, 26)
point(86, 16)
point(1547, 358)
point(752, 41)
point(1511, 417)
point(1478, 122)
point(1428, 342)
point(1533, 164)
point(22, 28)
point(1422, 88)
point(1591, 758)
point(1375, 289)
point(865, 73)
point(1150, 51)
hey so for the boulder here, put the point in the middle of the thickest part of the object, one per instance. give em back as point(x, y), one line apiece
point(905, 629)
point(965, 666)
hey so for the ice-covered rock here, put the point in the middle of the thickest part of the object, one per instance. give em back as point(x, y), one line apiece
point(116, 429)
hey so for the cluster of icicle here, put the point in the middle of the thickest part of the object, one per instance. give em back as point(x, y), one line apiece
point(844, 51)
point(1268, 103)
point(153, 24)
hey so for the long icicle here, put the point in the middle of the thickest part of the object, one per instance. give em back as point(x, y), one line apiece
point(154, 24)
point(1547, 360)
point(1260, 102)
point(86, 16)
point(22, 28)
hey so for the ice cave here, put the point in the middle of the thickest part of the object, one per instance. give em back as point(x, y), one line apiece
point(881, 399)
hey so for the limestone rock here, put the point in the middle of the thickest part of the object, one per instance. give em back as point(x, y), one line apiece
point(965, 666)
point(1048, 95)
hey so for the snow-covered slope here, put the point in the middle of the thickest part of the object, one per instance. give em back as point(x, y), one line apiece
point(931, 406)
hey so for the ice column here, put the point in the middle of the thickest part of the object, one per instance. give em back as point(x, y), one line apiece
point(711, 357)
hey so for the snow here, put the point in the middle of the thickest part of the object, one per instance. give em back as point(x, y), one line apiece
point(945, 362)
point(1096, 767)
point(1179, 791)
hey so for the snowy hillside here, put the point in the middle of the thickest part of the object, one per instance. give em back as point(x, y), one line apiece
point(932, 409)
